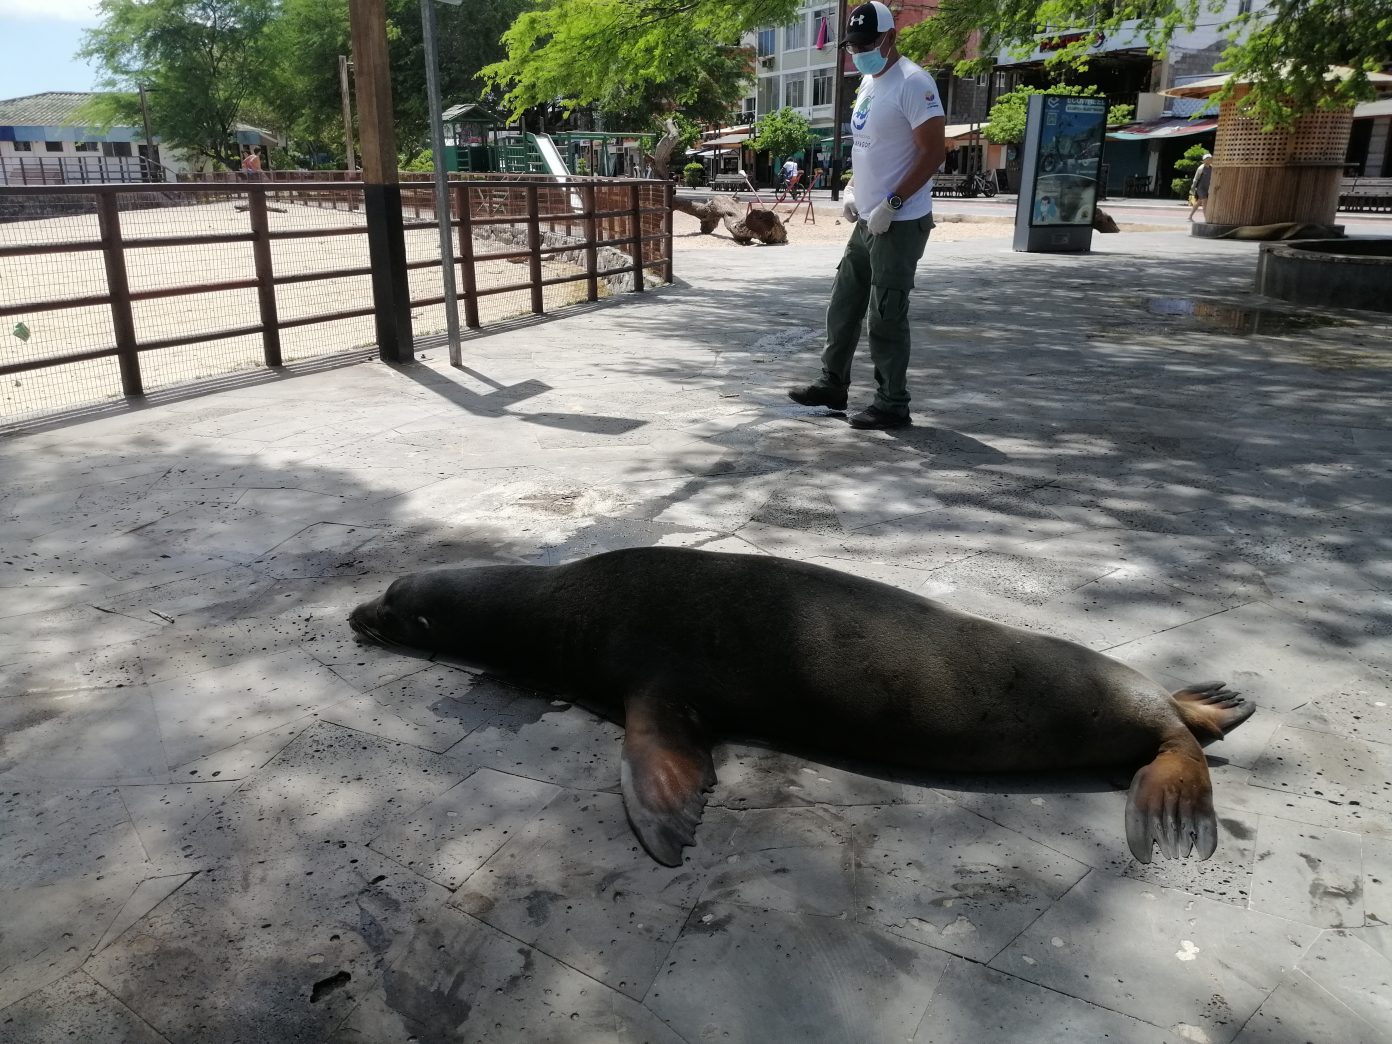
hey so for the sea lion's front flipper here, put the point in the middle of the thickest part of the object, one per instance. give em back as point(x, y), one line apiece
point(1171, 803)
point(667, 770)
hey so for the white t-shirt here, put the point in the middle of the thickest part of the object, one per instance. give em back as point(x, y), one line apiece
point(888, 108)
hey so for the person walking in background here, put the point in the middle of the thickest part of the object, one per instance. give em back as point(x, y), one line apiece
point(1198, 190)
point(897, 123)
point(251, 163)
point(787, 171)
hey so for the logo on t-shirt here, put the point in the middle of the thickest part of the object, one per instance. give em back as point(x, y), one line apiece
point(930, 97)
point(861, 113)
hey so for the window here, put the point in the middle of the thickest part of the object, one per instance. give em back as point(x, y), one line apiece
point(116, 148)
point(795, 35)
point(1244, 7)
point(85, 146)
point(766, 44)
point(827, 14)
point(823, 87)
point(23, 146)
point(795, 91)
point(768, 95)
point(53, 146)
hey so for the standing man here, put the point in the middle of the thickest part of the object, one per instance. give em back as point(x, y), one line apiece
point(898, 146)
point(1198, 189)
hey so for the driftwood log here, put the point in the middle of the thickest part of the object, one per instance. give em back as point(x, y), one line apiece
point(1103, 222)
point(763, 225)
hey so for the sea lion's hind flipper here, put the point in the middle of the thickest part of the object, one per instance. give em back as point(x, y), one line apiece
point(1211, 709)
point(1171, 803)
point(667, 770)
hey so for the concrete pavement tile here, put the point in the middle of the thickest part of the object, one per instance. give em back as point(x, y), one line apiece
point(165, 815)
point(84, 736)
point(746, 975)
point(798, 860)
point(107, 668)
point(1363, 712)
point(330, 785)
point(244, 757)
point(569, 747)
point(50, 930)
point(215, 709)
point(1300, 1011)
point(573, 882)
point(147, 895)
point(322, 549)
point(433, 708)
point(1274, 660)
point(1159, 955)
point(749, 777)
point(1377, 882)
point(885, 572)
point(460, 980)
point(211, 599)
point(975, 1003)
point(1084, 818)
point(70, 631)
point(1233, 790)
point(267, 950)
point(1126, 604)
point(1336, 768)
point(1313, 875)
point(74, 1008)
point(53, 833)
point(453, 835)
point(939, 875)
point(1022, 578)
point(1355, 974)
point(1243, 746)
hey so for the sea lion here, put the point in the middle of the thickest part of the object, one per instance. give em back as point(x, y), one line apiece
point(692, 644)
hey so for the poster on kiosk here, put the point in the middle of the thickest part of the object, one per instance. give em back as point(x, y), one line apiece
point(1060, 168)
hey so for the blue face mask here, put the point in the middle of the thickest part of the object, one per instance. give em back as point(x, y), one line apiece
point(871, 63)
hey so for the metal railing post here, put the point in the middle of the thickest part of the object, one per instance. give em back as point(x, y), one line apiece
point(118, 286)
point(534, 248)
point(265, 276)
point(466, 266)
point(591, 198)
point(669, 195)
point(635, 204)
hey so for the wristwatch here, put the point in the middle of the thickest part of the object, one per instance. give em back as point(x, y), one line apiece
point(895, 202)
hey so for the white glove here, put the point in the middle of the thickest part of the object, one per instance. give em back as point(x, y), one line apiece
point(879, 219)
point(848, 207)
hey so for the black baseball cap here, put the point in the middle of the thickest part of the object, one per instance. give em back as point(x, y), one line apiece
point(867, 23)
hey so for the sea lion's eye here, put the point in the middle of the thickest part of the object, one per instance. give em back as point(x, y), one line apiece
point(423, 622)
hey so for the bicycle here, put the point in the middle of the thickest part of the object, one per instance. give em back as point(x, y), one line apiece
point(979, 184)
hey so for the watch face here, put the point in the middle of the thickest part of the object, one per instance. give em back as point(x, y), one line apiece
point(895, 202)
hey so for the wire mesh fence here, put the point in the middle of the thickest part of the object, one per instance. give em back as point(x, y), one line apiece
point(117, 290)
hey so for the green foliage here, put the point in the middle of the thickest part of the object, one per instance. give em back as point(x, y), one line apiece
point(1007, 119)
point(422, 161)
point(582, 166)
point(202, 61)
point(1119, 114)
point(782, 133)
point(1184, 170)
point(1284, 49)
point(694, 174)
point(633, 59)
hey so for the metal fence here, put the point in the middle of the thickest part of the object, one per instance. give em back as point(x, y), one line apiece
point(121, 290)
point(77, 170)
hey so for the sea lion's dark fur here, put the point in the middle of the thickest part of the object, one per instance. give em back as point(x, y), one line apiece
point(693, 644)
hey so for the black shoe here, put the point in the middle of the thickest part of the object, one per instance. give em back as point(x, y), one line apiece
point(819, 395)
point(875, 419)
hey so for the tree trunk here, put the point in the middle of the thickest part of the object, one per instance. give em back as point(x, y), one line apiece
point(662, 151)
point(763, 225)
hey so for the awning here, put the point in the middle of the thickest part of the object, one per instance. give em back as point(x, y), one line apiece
point(1155, 130)
point(1213, 84)
point(727, 141)
point(963, 130)
point(1366, 110)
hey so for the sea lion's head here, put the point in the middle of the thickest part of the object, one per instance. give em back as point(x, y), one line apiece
point(401, 616)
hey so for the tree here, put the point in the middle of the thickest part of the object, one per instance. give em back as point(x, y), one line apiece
point(636, 59)
point(202, 61)
point(1007, 119)
point(1283, 49)
point(782, 133)
point(1184, 169)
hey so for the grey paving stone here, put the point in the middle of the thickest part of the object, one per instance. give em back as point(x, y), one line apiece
point(1377, 880)
point(1299, 1011)
point(53, 833)
point(1336, 768)
point(1158, 955)
point(69, 631)
point(74, 1008)
point(567, 746)
point(1356, 974)
point(275, 949)
point(241, 759)
point(163, 816)
point(1233, 790)
point(745, 975)
point(749, 777)
point(433, 708)
point(1363, 713)
point(147, 895)
point(449, 838)
point(1033, 581)
point(976, 1003)
point(573, 882)
point(1313, 875)
point(797, 860)
point(1126, 604)
point(210, 599)
point(214, 709)
point(939, 875)
point(329, 786)
point(461, 981)
point(321, 549)
point(84, 736)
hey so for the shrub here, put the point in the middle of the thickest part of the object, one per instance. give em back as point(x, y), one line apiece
point(694, 174)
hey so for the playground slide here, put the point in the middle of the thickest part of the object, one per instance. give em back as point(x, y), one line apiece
point(551, 156)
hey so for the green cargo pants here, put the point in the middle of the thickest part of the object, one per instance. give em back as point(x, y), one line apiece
point(876, 272)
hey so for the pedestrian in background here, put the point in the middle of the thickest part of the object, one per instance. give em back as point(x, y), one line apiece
point(897, 124)
point(1198, 190)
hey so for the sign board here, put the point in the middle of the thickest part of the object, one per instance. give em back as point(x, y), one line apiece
point(1059, 173)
